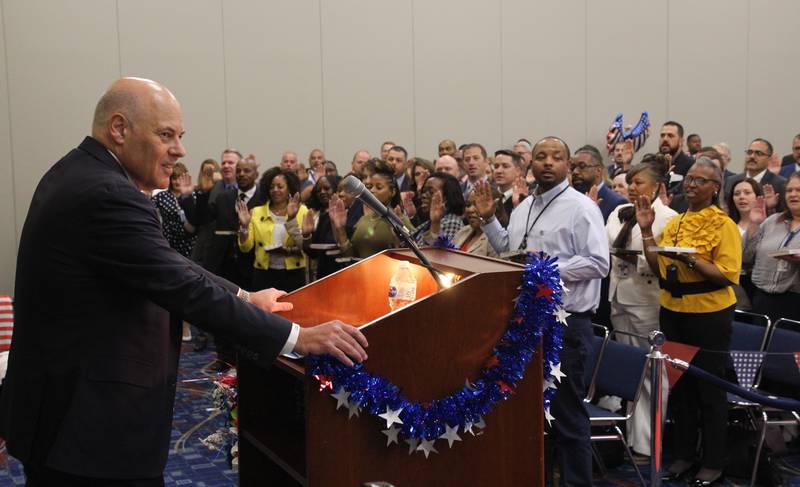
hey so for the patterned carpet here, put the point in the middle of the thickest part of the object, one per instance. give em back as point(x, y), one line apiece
point(192, 464)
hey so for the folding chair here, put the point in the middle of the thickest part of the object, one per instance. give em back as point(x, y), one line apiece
point(749, 333)
point(621, 372)
point(599, 341)
point(781, 371)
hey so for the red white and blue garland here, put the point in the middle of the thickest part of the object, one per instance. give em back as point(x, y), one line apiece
point(538, 316)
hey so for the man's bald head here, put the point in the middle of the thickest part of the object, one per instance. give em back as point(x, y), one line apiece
point(140, 122)
point(449, 165)
point(129, 97)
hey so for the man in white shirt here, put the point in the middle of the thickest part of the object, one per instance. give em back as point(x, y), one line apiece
point(563, 223)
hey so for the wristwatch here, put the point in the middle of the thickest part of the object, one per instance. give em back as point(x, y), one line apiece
point(486, 221)
point(691, 262)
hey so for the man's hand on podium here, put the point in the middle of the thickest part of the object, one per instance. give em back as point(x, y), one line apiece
point(342, 341)
point(267, 299)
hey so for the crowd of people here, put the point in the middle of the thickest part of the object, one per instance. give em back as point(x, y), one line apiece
point(604, 221)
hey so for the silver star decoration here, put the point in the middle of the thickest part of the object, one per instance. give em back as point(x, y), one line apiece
point(469, 385)
point(392, 416)
point(353, 410)
point(564, 288)
point(555, 371)
point(426, 447)
point(451, 435)
point(549, 384)
point(412, 445)
point(341, 398)
point(468, 427)
point(391, 435)
point(561, 315)
point(549, 417)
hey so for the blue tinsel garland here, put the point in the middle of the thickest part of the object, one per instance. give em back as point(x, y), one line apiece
point(533, 318)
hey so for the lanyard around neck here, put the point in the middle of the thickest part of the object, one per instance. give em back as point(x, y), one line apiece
point(524, 244)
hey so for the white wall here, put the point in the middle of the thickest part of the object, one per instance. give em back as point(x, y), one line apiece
point(347, 74)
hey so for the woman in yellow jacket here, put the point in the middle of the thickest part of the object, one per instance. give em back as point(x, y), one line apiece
point(697, 308)
point(273, 233)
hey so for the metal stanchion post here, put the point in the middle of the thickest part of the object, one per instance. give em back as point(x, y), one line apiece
point(656, 339)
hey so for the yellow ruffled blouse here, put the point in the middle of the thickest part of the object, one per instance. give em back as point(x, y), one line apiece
point(717, 239)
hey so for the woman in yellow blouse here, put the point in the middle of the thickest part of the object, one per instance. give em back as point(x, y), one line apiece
point(697, 308)
point(273, 233)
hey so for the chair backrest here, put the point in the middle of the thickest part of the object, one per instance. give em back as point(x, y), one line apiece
point(599, 341)
point(782, 369)
point(749, 331)
point(621, 371)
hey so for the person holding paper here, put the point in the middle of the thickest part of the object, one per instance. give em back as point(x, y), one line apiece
point(697, 307)
point(769, 245)
point(633, 289)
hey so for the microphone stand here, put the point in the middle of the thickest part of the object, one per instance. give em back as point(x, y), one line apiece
point(401, 232)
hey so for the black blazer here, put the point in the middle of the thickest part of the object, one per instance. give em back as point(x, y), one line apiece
point(98, 309)
point(219, 211)
point(609, 200)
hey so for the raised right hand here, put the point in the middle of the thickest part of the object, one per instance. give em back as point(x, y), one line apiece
point(645, 215)
point(344, 342)
point(758, 213)
point(484, 202)
point(337, 212)
point(665, 197)
point(407, 197)
point(308, 223)
point(243, 212)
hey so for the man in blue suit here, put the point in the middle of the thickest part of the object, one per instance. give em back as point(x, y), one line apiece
point(587, 177)
point(791, 162)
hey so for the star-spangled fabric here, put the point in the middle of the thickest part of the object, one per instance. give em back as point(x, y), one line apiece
point(746, 365)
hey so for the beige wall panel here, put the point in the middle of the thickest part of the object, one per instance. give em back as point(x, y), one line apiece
point(708, 72)
point(274, 88)
point(179, 43)
point(627, 67)
point(544, 70)
point(61, 57)
point(773, 71)
point(8, 241)
point(368, 75)
point(457, 73)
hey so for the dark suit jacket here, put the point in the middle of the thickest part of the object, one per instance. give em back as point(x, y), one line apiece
point(221, 254)
point(609, 201)
point(788, 169)
point(93, 364)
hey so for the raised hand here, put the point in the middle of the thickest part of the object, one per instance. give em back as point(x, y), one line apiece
point(484, 202)
point(344, 342)
point(437, 209)
point(308, 223)
point(770, 197)
point(243, 212)
point(293, 206)
point(407, 198)
point(758, 213)
point(593, 195)
point(206, 184)
point(267, 299)
point(519, 191)
point(665, 197)
point(337, 212)
point(645, 215)
point(185, 184)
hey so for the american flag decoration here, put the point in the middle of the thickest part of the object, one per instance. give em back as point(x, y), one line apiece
point(746, 365)
point(6, 322)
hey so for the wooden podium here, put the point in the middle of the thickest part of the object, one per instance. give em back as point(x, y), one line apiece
point(290, 433)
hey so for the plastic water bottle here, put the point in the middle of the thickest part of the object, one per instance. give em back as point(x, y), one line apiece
point(402, 287)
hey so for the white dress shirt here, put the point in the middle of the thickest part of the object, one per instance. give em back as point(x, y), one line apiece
point(570, 228)
point(247, 194)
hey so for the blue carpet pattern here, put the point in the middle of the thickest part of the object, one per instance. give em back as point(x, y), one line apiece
point(192, 464)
